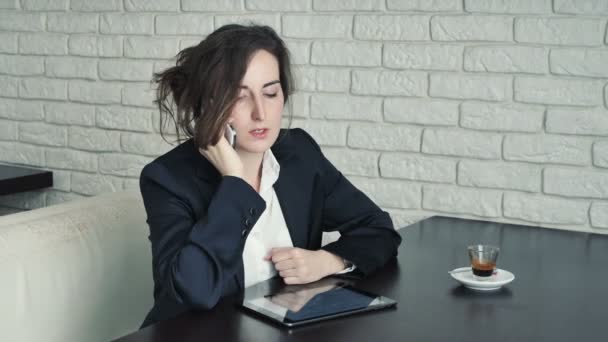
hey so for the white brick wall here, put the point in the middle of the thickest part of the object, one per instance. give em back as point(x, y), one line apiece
point(486, 109)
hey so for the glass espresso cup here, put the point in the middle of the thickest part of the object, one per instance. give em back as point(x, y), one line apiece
point(483, 260)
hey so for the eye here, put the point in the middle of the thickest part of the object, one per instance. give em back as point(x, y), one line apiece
point(271, 95)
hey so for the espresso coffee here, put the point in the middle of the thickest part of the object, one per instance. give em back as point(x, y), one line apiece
point(482, 269)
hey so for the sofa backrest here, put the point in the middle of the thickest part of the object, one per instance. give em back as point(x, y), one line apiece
point(78, 271)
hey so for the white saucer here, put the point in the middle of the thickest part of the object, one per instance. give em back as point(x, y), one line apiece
point(465, 276)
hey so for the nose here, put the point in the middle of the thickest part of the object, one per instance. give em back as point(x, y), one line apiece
point(259, 113)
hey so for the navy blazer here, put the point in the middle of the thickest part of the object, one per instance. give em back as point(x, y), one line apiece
point(199, 221)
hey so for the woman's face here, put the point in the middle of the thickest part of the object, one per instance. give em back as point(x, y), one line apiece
point(256, 116)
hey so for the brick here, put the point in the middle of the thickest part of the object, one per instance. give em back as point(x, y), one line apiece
point(163, 65)
point(25, 200)
point(126, 23)
point(457, 200)
point(353, 162)
point(15, 21)
point(93, 139)
point(83, 45)
point(348, 5)
point(547, 149)
point(9, 86)
point(144, 144)
point(317, 26)
point(189, 42)
point(184, 24)
point(341, 107)
point(392, 27)
point(546, 90)
point(94, 92)
point(299, 105)
point(95, 6)
point(9, 42)
point(125, 70)
point(61, 180)
point(384, 137)
point(402, 83)
point(122, 164)
point(461, 143)
point(512, 6)
point(325, 133)
point(132, 183)
point(39, 133)
point(417, 168)
point(472, 28)
point(212, 5)
point(25, 110)
point(478, 87)
point(9, 4)
point(346, 53)
point(299, 51)
point(278, 5)
point(422, 56)
point(40, 88)
point(559, 31)
point(71, 67)
point(58, 197)
point(579, 62)
point(43, 44)
point(8, 130)
point(390, 193)
point(272, 20)
point(305, 78)
point(599, 215)
point(71, 160)
point(591, 7)
point(152, 5)
point(19, 153)
point(502, 117)
point(519, 59)
point(45, 5)
point(600, 154)
point(150, 47)
point(72, 22)
point(421, 111)
point(425, 5)
point(94, 184)
point(21, 65)
point(139, 95)
point(542, 209)
point(69, 114)
point(499, 175)
point(575, 182)
point(577, 121)
point(124, 118)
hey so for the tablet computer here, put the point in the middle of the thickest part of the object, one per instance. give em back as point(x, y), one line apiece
point(297, 305)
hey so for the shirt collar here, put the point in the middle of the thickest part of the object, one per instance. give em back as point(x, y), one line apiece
point(270, 171)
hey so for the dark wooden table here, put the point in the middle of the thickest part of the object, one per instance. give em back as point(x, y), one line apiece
point(560, 293)
point(14, 179)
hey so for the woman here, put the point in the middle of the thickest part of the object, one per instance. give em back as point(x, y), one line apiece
point(221, 217)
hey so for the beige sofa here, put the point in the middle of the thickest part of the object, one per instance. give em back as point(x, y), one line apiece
point(79, 271)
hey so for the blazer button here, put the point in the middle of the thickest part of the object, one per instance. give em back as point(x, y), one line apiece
point(247, 223)
point(243, 232)
point(252, 211)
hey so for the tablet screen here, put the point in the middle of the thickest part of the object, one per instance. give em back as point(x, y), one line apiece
point(314, 302)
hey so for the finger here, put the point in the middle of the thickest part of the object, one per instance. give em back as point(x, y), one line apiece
point(289, 273)
point(285, 265)
point(293, 280)
point(280, 254)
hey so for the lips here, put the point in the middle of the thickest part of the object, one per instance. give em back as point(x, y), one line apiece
point(259, 132)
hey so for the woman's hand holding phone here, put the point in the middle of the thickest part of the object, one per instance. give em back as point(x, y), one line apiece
point(224, 157)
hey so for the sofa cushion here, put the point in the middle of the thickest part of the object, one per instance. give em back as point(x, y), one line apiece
point(78, 271)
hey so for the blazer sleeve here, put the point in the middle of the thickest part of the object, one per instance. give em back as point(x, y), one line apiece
point(194, 257)
point(367, 236)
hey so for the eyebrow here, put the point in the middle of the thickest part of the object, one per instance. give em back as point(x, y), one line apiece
point(264, 86)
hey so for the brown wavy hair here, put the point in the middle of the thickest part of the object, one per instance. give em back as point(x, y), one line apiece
point(198, 93)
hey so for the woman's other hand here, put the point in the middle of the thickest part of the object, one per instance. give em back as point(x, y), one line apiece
point(301, 266)
point(224, 158)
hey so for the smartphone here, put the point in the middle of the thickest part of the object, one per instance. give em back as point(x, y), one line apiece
point(230, 134)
